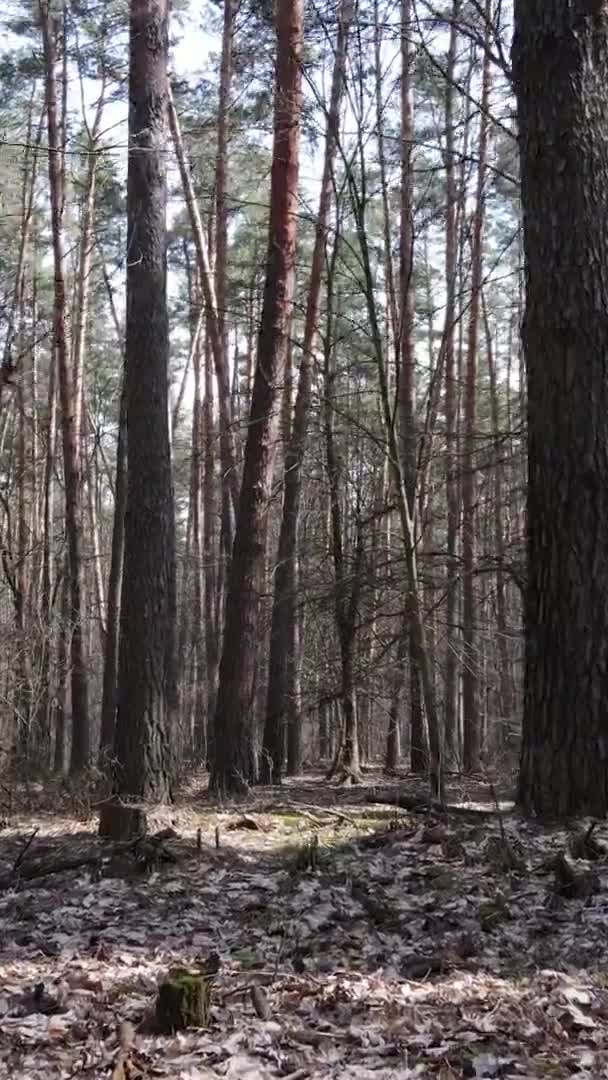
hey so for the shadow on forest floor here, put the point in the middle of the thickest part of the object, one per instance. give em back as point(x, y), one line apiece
point(384, 942)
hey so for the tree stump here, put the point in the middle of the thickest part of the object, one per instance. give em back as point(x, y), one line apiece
point(119, 821)
point(183, 1001)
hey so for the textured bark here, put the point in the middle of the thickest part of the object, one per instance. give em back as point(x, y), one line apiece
point(470, 712)
point(146, 685)
point(237, 667)
point(69, 410)
point(560, 56)
point(283, 639)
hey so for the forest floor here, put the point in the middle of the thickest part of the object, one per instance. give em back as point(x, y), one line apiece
point(398, 943)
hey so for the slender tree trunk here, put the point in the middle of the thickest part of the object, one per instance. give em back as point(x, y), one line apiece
point(147, 696)
point(216, 338)
point(59, 708)
point(451, 267)
point(46, 592)
point(212, 586)
point(232, 734)
point(69, 413)
point(505, 679)
point(285, 599)
point(114, 589)
point(418, 631)
point(221, 232)
point(471, 726)
point(406, 354)
point(346, 763)
point(114, 585)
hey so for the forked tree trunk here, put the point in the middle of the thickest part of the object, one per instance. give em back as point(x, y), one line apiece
point(147, 683)
point(560, 54)
point(69, 410)
point(237, 667)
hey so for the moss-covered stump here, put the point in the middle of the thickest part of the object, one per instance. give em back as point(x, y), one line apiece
point(183, 1001)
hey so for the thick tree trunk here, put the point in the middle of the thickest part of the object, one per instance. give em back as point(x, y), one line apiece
point(284, 611)
point(146, 685)
point(560, 55)
point(70, 410)
point(236, 680)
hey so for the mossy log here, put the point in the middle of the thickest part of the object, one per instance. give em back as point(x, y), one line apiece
point(183, 1001)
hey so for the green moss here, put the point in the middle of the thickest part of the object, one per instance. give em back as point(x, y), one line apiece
point(184, 1000)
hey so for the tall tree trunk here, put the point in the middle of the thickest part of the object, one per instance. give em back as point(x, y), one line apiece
point(406, 354)
point(505, 680)
point(285, 599)
point(147, 666)
point(69, 411)
point(232, 750)
point(60, 699)
point(213, 583)
point(451, 403)
point(221, 229)
point(417, 627)
point(470, 717)
point(347, 584)
point(560, 54)
point(43, 722)
point(114, 589)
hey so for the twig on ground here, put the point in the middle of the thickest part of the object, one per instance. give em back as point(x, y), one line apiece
point(24, 850)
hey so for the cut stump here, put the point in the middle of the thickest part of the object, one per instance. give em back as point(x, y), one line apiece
point(183, 1001)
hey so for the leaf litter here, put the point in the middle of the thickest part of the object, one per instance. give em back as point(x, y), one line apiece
point(344, 938)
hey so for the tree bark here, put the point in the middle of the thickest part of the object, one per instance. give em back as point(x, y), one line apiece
point(69, 412)
point(236, 680)
point(147, 666)
point(283, 642)
point(560, 60)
